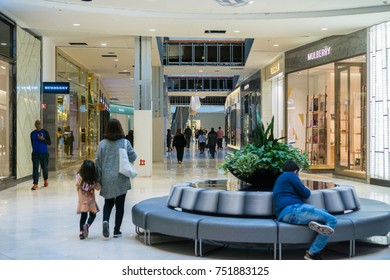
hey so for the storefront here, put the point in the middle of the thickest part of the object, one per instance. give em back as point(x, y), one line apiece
point(233, 120)
point(77, 116)
point(326, 103)
point(6, 60)
point(241, 108)
point(251, 106)
point(272, 95)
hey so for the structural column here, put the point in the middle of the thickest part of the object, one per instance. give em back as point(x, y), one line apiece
point(147, 127)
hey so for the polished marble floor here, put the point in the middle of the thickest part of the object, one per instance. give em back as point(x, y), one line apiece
point(43, 224)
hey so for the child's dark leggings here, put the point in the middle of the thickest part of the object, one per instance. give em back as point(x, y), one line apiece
point(83, 219)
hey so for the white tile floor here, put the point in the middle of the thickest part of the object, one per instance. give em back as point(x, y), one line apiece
point(43, 224)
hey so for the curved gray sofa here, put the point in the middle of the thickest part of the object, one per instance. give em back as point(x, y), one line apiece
point(248, 217)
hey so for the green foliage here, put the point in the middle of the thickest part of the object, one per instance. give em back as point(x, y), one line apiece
point(265, 152)
point(262, 135)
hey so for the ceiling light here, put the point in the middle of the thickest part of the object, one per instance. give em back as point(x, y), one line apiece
point(236, 31)
point(276, 45)
point(152, 30)
point(215, 31)
point(103, 44)
point(76, 24)
point(233, 3)
point(78, 44)
point(324, 28)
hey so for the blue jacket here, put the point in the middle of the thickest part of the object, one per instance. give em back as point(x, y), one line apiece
point(40, 146)
point(289, 190)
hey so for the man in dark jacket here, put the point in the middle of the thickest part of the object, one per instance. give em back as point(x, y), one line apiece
point(187, 135)
point(212, 141)
point(40, 139)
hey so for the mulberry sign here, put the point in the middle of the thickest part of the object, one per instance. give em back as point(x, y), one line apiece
point(319, 53)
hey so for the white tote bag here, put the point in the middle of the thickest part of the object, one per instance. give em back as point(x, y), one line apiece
point(125, 166)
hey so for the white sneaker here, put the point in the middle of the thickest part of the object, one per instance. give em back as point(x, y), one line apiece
point(321, 229)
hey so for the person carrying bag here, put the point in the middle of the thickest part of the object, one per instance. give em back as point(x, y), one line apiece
point(125, 166)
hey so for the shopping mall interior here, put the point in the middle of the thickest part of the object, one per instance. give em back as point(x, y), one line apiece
point(320, 68)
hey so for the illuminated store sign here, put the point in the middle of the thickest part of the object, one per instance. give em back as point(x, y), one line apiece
point(319, 53)
point(275, 68)
point(56, 87)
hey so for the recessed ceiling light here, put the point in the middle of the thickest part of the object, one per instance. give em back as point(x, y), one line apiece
point(103, 44)
point(324, 28)
point(236, 31)
point(200, 71)
point(276, 45)
point(152, 30)
point(116, 59)
point(76, 24)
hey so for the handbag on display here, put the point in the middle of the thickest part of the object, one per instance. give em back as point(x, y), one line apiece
point(125, 166)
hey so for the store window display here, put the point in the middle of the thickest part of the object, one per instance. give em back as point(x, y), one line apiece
point(326, 115)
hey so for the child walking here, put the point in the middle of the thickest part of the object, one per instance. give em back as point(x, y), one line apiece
point(86, 184)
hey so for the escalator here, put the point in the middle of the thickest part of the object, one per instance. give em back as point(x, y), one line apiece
point(179, 118)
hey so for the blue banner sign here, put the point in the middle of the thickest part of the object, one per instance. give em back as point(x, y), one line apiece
point(56, 87)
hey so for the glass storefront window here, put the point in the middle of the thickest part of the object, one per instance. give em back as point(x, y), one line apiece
point(310, 103)
point(233, 120)
point(326, 115)
point(351, 120)
point(4, 121)
point(6, 46)
point(77, 115)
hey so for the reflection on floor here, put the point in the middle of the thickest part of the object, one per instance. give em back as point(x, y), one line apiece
point(43, 224)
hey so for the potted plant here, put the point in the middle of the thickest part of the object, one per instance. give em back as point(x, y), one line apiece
point(261, 162)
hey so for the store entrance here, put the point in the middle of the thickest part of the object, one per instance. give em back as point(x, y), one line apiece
point(350, 144)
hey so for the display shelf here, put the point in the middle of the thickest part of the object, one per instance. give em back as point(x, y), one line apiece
point(316, 128)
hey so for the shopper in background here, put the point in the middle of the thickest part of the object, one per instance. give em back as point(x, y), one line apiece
point(130, 137)
point(212, 141)
point(86, 184)
point(289, 194)
point(201, 140)
point(114, 186)
point(179, 142)
point(220, 135)
point(187, 135)
point(40, 139)
point(169, 140)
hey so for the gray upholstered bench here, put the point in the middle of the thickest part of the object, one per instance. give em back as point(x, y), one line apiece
point(247, 217)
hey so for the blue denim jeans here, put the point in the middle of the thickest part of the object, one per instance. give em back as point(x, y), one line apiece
point(303, 214)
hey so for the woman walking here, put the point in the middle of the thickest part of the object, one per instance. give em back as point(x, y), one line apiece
point(114, 185)
point(179, 142)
